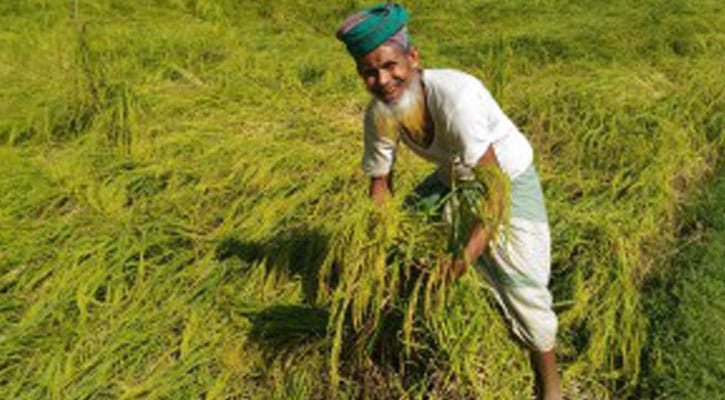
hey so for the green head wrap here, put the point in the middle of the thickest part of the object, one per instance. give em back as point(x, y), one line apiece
point(368, 29)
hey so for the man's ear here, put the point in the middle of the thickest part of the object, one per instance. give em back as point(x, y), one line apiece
point(413, 57)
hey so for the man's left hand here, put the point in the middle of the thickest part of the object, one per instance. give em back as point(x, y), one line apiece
point(453, 269)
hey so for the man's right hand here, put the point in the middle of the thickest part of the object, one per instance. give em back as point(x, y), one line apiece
point(379, 188)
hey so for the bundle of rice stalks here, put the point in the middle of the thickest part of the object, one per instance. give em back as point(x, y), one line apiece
point(389, 283)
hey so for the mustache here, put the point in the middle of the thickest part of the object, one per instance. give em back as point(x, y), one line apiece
point(395, 82)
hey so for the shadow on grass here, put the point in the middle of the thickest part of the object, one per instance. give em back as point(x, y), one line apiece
point(288, 331)
point(298, 253)
point(283, 328)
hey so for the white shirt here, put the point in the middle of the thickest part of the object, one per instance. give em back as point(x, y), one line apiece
point(466, 121)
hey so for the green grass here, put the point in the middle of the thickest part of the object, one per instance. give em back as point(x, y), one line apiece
point(685, 304)
point(183, 213)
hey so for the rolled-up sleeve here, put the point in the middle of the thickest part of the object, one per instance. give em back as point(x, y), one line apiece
point(379, 154)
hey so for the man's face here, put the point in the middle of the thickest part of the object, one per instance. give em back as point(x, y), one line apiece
point(387, 71)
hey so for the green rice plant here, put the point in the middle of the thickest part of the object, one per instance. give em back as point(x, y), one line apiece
point(682, 355)
point(389, 293)
point(183, 214)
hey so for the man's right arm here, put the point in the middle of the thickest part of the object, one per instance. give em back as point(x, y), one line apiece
point(378, 159)
point(380, 188)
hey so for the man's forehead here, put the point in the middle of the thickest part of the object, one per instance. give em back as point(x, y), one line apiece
point(381, 55)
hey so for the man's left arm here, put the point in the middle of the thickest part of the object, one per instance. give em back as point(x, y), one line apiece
point(481, 234)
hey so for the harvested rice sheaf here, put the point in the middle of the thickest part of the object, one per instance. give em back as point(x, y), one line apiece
point(385, 276)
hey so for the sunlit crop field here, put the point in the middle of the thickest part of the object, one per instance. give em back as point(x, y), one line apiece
point(183, 213)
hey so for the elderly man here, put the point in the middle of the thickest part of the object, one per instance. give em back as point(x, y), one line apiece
point(449, 118)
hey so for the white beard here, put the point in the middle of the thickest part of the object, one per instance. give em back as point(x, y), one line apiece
point(408, 112)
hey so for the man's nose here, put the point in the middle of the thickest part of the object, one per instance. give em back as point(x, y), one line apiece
point(384, 76)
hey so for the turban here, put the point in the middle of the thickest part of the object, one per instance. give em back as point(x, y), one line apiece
point(370, 28)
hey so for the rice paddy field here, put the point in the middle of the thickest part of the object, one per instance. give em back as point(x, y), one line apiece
point(183, 214)
point(685, 305)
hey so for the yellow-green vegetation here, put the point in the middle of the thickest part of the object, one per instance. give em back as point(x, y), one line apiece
point(686, 352)
point(184, 216)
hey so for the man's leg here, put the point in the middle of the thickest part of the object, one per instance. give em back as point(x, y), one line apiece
point(521, 275)
point(548, 386)
point(526, 300)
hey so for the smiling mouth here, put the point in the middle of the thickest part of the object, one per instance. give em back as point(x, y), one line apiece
point(389, 95)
